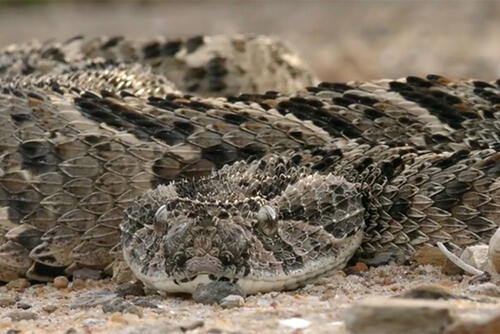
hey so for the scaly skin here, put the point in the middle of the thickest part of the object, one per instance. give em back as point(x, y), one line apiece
point(79, 144)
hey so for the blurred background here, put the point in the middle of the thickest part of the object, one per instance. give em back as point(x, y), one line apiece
point(341, 40)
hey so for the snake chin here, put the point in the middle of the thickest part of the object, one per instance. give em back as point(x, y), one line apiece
point(253, 282)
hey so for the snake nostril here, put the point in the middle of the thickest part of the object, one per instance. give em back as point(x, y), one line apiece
point(179, 259)
point(226, 258)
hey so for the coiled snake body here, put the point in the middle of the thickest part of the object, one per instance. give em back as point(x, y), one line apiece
point(97, 142)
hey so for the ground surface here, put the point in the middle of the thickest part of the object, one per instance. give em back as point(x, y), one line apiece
point(342, 41)
point(319, 307)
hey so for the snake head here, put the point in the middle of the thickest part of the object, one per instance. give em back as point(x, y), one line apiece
point(176, 243)
point(279, 236)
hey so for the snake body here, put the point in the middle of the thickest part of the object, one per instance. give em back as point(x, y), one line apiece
point(219, 158)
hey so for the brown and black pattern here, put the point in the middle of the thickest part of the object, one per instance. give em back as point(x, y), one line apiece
point(87, 126)
point(201, 65)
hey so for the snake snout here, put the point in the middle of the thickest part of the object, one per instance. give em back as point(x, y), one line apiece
point(205, 264)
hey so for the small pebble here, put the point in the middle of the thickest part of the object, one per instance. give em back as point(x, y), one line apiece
point(92, 299)
point(122, 306)
point(13, 331)
point(49, 308)
point(488, 289)
point(360, 266)
point(22, 315)
point(17, 284)
point(78, 284)
point(214, 292)
point(358, 269)
point(476, 256)
point(87, 273)
point(295, 323)
point(116, 305)
point(6, 301)
point(135, 310)
point(486, 323)
point(193, 325)
point(118, 318)
point(60, 282)
point(130, 289)
point(23, 306)
point(429, 292)
point(232, 301)
point(398, 315)
point(93, 321)
point(145, 302)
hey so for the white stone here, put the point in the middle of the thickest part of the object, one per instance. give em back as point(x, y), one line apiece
point(295, 323)
point(232, 301)
point(93, 321)
point(476, 256)
point(494, 252)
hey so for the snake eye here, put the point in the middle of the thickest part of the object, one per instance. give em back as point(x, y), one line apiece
point(161, 214)
point(160, 223)
point(267, 218)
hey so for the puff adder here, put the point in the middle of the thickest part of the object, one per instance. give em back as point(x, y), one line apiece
point(221, 158)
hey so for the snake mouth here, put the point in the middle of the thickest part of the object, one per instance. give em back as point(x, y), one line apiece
point(206, 277)
point(204, 265)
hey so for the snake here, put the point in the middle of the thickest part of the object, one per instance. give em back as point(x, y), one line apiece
point(224, 159)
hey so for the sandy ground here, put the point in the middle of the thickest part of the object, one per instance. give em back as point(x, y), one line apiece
point(344, 40)
point(320, 306)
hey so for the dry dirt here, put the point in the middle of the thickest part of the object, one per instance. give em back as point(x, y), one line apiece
point(322, 305)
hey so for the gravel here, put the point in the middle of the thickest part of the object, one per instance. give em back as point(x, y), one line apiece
point(95, 307)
